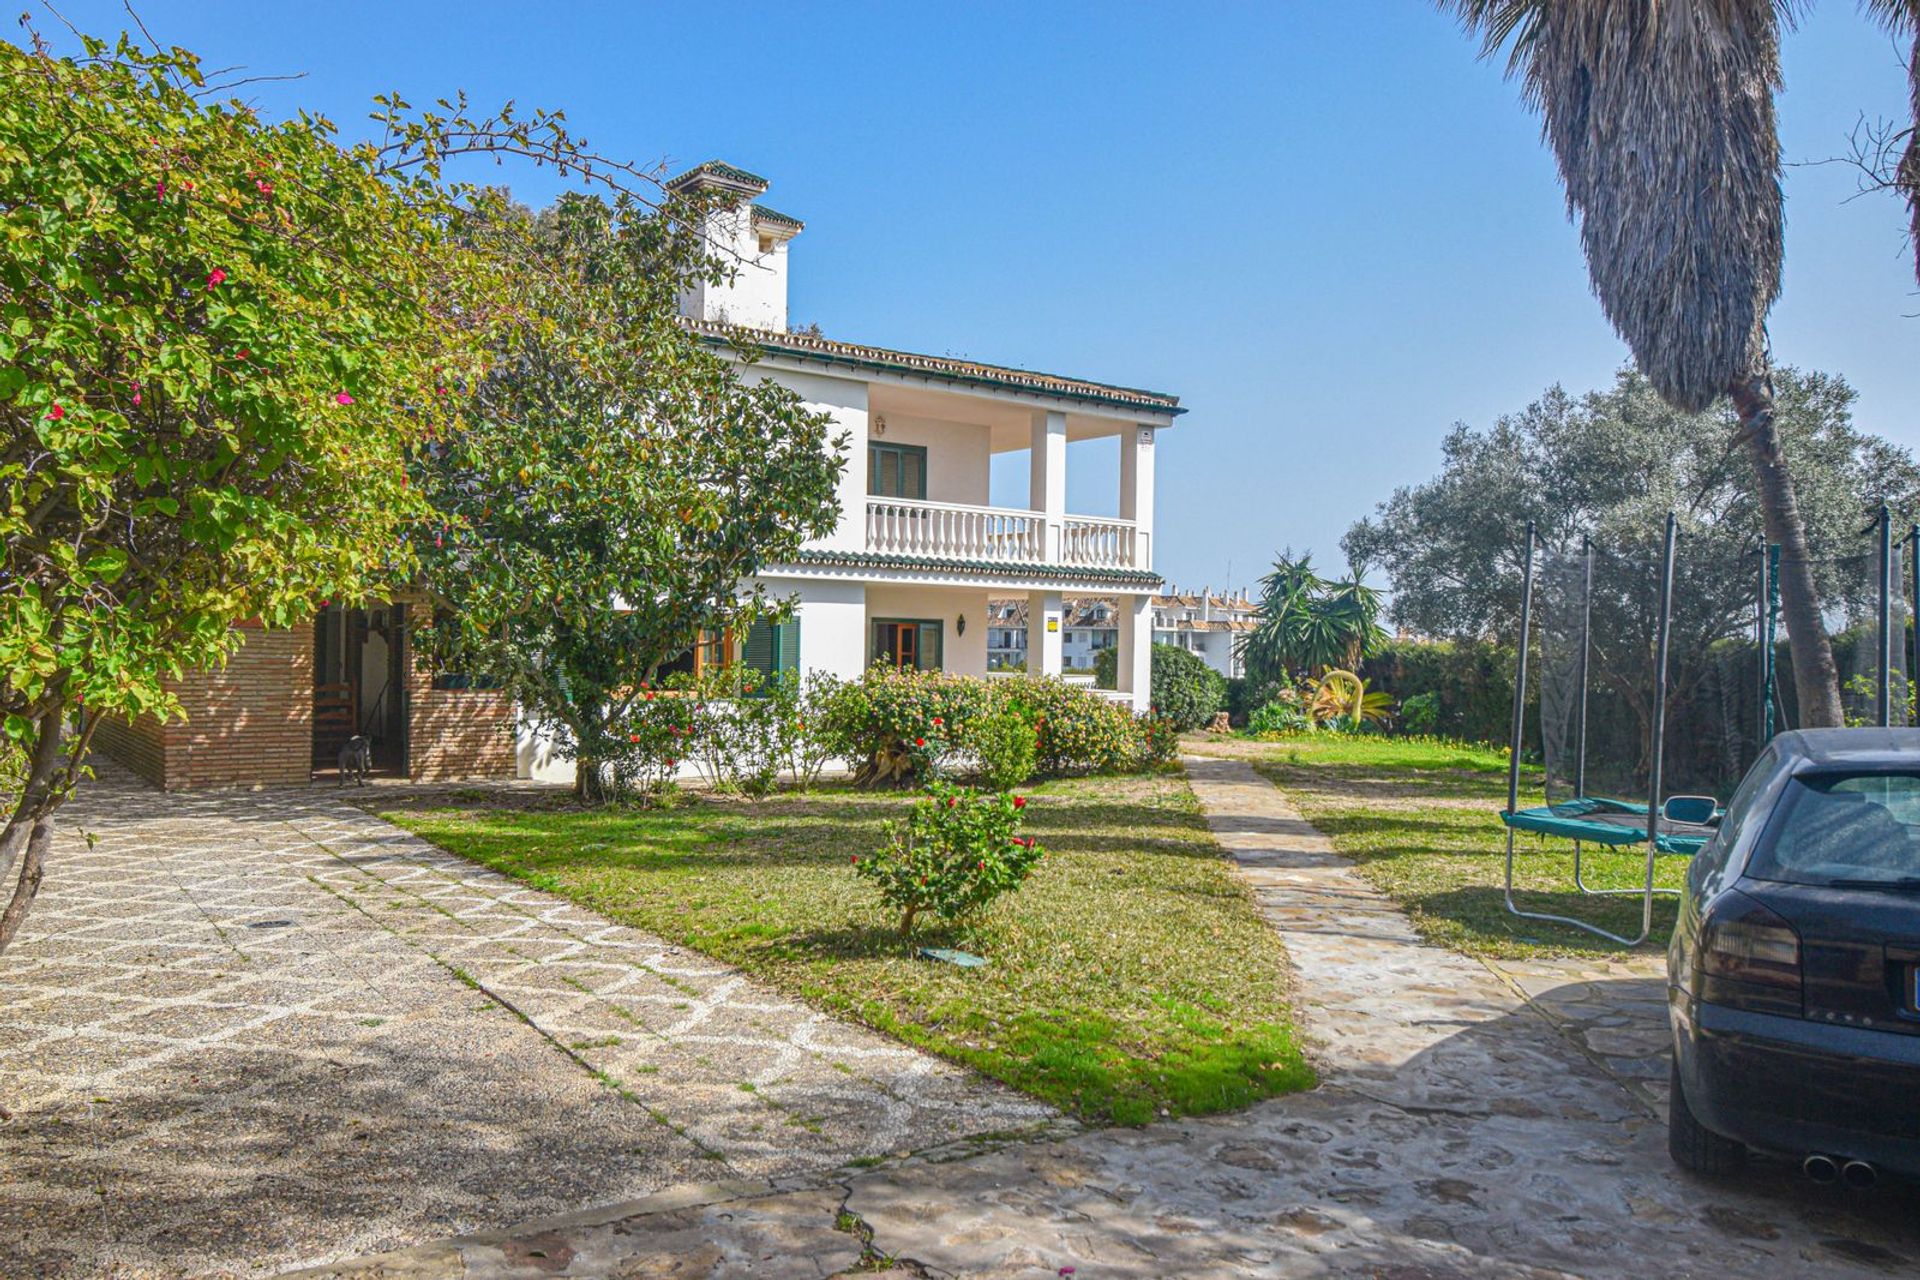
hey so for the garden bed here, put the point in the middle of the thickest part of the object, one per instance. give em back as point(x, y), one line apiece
point(1420, 818)
point(1131, 977)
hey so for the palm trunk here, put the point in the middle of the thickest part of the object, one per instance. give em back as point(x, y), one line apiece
point(1907, 175)
point(1816, 678)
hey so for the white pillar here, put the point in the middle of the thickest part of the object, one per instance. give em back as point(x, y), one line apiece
point(1043, 633)
point(1133, 668)
point(1047, 491)
point(1136, 491)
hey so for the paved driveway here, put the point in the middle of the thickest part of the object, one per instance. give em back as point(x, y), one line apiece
point(1472, 1122)
point(244, 1031)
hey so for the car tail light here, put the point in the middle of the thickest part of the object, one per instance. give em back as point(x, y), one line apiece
point(1749, 957)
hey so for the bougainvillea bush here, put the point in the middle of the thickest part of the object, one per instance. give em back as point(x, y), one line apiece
point(222, 339)
point(957, 851)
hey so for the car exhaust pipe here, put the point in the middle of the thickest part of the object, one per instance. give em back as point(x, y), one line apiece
point(1858, 1174)
point(1820, 1169)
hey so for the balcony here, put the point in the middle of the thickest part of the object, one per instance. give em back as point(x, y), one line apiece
point(1002, 535)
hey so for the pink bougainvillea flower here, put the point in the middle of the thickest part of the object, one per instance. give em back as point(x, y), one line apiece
point(136, 397)
point(56, 413)
point(216, 277)
point(266, 188)
point(342, 398)
point(160, 189)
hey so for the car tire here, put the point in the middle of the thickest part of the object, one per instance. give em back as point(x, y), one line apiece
point(1693, 1146)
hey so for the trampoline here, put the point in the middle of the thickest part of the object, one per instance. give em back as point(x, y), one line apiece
point(1604, 624)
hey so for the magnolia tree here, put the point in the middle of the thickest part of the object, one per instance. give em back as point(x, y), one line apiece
point(220, 341)
point(615, 483)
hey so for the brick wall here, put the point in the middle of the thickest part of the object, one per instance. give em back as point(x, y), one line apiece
point(457, 733)
point(248, 723)
point(251, 724)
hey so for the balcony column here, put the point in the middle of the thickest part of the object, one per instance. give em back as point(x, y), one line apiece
point(1133, 668)
point(1047, 492)
point(1043, 634)
point(1136, 491)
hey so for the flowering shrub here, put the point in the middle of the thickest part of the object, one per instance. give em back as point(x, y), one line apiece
point(647, 747)
point(1005, 746)
point(1160, 740)
point(890, 726)
point(958, 850)
point(1075, 729)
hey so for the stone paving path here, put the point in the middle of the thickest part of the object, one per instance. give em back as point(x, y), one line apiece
point(1472, 1122)
point(246, 1030)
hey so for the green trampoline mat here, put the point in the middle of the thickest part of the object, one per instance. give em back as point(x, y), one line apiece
point(1593, 820)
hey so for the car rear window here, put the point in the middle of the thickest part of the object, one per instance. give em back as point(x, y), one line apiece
point(1843, 826)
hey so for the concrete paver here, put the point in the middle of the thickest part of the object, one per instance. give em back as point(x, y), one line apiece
point(248, 1030)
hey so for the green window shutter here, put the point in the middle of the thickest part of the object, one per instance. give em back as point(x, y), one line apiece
point(897, 471)
point(758, 651)
point(929, 657)
point(787, 645)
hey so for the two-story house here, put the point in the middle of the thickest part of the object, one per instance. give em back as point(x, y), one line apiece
point(1211, 625)
point(907, 576)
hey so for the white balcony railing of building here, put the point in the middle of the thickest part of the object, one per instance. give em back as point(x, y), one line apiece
point(945, 529)
point(948, 530)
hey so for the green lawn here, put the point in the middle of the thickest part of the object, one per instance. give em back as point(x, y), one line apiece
point(1421, 818)
point(1131, 975)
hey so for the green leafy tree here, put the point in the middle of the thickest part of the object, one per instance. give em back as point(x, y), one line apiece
point(1611, 464)
point(615, 484)
point(220, 340)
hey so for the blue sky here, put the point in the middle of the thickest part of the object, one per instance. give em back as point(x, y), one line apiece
point(1328, 228)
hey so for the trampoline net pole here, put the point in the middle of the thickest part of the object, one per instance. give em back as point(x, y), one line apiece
point(1663, 636)
point(1586, 653)
point(1883, 687)
point(1520, 675)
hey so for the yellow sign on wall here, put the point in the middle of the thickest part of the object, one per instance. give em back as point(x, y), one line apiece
point(1053, 624)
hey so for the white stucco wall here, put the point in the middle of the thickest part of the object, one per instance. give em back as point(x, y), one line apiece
point(963, 655)
point(833, 623)
point(845, 401)
point(959, 456)
point(756, 296)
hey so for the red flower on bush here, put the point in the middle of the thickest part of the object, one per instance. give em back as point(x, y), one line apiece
point(633, 737)
point(266, 188)
point(673, 764)
point(1019, 802)
point(938, 721)
point(342, 398)
point(919, 742)
point(216, 277)
point(56, 413)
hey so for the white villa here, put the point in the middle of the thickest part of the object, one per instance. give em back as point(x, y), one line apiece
point(907, 576)
point(1209, 624)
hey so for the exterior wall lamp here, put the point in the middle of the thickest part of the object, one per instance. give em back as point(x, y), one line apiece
point(960, 625)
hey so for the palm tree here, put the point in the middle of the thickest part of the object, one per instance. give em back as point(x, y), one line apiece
point(1660, 115)
point(1902, 18)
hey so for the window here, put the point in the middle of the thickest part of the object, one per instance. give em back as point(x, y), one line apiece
point(772, 647)
point(1105, 639)
point(912, 643)
point(712, 649)
point(897, 471)
point(1851, 827)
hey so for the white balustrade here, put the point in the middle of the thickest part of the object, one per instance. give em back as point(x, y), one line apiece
point(945, 530)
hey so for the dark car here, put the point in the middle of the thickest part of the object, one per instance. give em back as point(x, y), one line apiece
point(1794, 973)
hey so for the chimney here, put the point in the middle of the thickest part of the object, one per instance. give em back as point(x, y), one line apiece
point(750, 238)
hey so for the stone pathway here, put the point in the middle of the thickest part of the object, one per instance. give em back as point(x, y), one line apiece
point(1472, 1122)
point(244, 1031)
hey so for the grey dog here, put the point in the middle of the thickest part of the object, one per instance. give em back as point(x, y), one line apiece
point(356, 758)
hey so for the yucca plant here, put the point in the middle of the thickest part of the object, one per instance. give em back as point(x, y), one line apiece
point(1341, 698)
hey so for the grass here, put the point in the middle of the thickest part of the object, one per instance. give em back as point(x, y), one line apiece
point(1131, 976)
point(1420, 817)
